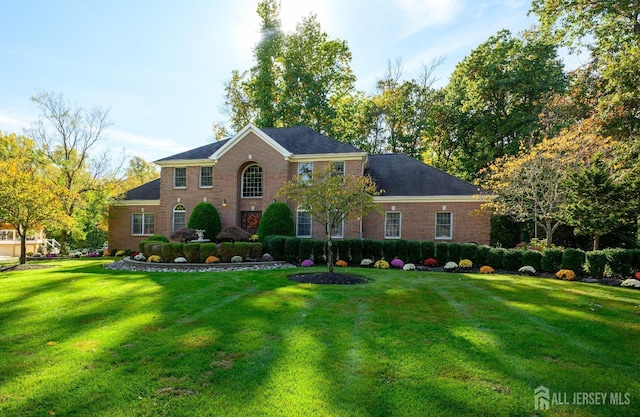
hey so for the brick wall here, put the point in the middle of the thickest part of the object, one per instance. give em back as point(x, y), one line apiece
point(120, 226)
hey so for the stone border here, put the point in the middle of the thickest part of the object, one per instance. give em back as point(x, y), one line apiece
point(131, 265)
point(186, 265)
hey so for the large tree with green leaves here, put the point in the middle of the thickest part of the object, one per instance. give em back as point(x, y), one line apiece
point(331, 197)
point(495, 95)
point(29, 192)
point(299, 78)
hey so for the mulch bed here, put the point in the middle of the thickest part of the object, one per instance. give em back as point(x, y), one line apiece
point(23, 267)
point(328, 278)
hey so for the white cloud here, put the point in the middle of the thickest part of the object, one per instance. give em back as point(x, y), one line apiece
point(11, 124)
point(419, 14)
point(147, 147)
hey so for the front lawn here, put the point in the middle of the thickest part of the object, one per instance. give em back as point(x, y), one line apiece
point(77, 339)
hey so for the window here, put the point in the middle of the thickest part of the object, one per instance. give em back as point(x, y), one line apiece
point(305, 169)
point(252, 181)
point(303, 224)
point(206, 177)
point(179, 177)
point(392, 224)
point(339, 167)
point(143, 223)
point(444, 223)
point(179, 217)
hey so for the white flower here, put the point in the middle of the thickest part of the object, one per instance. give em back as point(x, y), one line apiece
point(409, 267)
point(236, 259)
point(366, 262)
point(180, 260)
point(450, 266)
point(527, 270)
point(634, 283)
point(140, 257)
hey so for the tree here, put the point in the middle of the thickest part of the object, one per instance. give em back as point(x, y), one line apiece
point(28, 191)
point(530, 186)
point(597, 202)
point(205, 217)
point(298, 78)
point(276, 220)
point(496, 94)
point(330, 198)
point(68, 136)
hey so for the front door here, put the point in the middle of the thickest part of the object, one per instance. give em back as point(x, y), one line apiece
point(249, 221)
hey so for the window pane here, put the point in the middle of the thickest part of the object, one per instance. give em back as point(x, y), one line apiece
point(304, 224)
point(180, 177)
point(179, 217)
point(392, 225)
point(305, 169)
point(136, 224)
point(206, 176)
point(443, 225)
point(149, 223)
point(252, 182)
point(339, 167)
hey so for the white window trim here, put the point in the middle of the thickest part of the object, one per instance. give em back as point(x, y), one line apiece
point(143, 223)
point(450, 237)
point(173, 220)
point(305, 163)
point(175, 170)
point(298, 224)
point(242, 181)
point(200, 180)
point(386, 236)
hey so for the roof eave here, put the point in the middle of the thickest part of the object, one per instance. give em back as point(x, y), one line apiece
point(250, 128)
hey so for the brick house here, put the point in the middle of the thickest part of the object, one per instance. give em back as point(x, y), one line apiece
point(241, 175)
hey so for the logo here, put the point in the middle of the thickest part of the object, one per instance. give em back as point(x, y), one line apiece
point(541, 398)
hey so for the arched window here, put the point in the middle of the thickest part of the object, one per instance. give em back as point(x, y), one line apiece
point(179, 217)
point(252, 181)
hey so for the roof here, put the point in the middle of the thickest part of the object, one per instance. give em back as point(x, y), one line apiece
point(298, 140)
point(401, 175)
point(148, 191)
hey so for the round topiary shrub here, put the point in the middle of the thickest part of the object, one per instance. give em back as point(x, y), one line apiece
point(205, 217)
point(276, 220)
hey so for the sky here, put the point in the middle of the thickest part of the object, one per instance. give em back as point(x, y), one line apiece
point(160, 65)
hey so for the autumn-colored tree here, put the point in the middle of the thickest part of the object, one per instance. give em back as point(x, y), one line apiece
point(530, 186)
point(29, 194)
point(331, 197)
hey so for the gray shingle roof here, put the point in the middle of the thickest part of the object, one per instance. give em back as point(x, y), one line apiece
point(401, 175)
point(203, 152)
point(148, 191)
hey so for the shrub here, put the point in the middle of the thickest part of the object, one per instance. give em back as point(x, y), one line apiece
point(307, 263)
point(512, 260)
point(486, 269)
point(341, 249)
point(494, 257)
point(533, 258)
point(276, 220)
point(415, 254)
point(482, 254)
point(157, 238)
point(619, 260)
point(154, 258)
point(291, 249)
point(177, 250)
point(305, 249)
point(275, 246)
point(397, 263)
point(319, 251)
point(356, 251)
point(551, 260)
point(166, 252)
point(184, 235)
point(205, 217)
point(192, 252)
point(431, 262)
point(428, 249)
point(442, 252)
point(341, 263)
point(381, 264)
point(236, 259)
point(453, 252)
point(266, 258)
point(180, 260)
point(208, 249)
point(634, 255)
point(465, 263)
point(226, 251)
point(527, 270)
point(242, 249)
point(573, 259)
point(450, 266)
point(566, 274)
point(366, 262)
point(409, 267)
point(402, 249)
point(212, 260)
point(233, 234)
point(255, 250)
point(468, 251)
point(389, 249)
point(637, 275)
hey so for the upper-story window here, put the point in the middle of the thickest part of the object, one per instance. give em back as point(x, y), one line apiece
point(305, 170)
point(339, 167)
point(252, 181)
point(206, 177)
point(179, 177)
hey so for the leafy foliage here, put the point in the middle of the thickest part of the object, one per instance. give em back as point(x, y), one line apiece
point(276, 220)
point(205, 217)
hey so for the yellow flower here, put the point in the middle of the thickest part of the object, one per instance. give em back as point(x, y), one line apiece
point(486, 269)
point(341, 263)
point(212, 260)
point(566, 274)
point(382, 264)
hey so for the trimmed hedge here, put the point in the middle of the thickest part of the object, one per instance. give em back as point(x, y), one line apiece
point(619, 260)
point(205, 217)
point(356, 251)
point(389, 249)
point(242, 249)
point(495, 256)
point(532, 258)
point(227, 251)
point(207, 249)
point(442, 253)
point(482, 255)
point(274, 245)
point(512, 260)
point(573, 259)
point(415, 252)
point(305, 249)
point(192, 252)
point(291, 247)
point(596, 261)
point(319, 251)
point(276, 220)
point(428, 249)
point(402, 249)
point(468, 251)
point(551, 260)
point(341, 249)
point(372, 249)
point(454, 250)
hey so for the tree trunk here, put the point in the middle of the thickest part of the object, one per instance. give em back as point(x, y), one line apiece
point(330, 253)
point(63, 237)
point(23, 245)
point(596, 241)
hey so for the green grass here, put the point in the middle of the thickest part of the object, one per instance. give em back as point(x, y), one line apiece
point(80, 340)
